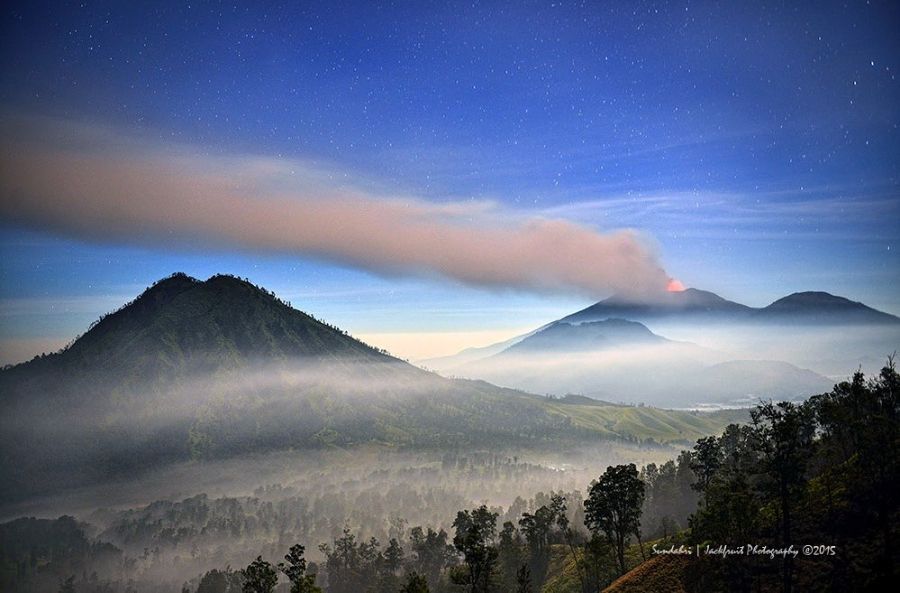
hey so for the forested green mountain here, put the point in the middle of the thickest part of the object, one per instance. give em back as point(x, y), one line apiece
point(197, 370)
point(181, 325)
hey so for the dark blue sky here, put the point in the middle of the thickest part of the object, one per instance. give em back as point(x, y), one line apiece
point(757, 143)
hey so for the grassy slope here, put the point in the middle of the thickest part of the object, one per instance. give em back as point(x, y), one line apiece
point(663, 426)
point(658, 574)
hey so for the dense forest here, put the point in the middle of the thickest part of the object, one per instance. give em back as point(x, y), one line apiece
point(801, 498)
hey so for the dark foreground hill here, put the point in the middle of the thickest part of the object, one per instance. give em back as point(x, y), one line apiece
point(219, 368)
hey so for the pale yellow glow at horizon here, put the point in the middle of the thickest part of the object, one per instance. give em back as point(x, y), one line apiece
point(416, 346)
point(16, 350)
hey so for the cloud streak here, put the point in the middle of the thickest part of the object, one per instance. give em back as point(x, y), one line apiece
point(105, 185)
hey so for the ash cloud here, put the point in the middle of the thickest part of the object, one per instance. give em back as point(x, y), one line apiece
point(105, 185)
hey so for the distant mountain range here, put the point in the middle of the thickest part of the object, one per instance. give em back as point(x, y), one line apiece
point(623, 360)
point(698, 309)
point(606, 350)
point(195, 370)
point(692, 304)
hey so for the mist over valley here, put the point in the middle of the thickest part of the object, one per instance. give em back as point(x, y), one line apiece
point(208, 422)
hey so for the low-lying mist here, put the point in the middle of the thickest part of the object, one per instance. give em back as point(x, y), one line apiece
point(697, 365)
point(172, 525)
point(178, 474)
point(61, 436)
point(828, 350)
point(361, 467)
point(681, 376)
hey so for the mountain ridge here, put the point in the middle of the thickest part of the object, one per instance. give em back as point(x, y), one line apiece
point(800, 307)
point(701, 310)
point(614, 358)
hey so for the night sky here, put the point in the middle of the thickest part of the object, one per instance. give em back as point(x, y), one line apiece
point(755, 146)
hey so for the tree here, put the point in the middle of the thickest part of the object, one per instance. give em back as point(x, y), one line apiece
point(259, 577)
point(730, 509)
point(390, 563)
point(295, 570)
point(537, 529)
point(475, 532)
point(706, 460)
point(430, 553)
point(599, 566)
point(859, 469)
point(221, 581)
point(783, 435)
point(351, 566)
point(523, 580)
point(559, 508)
point(510, 555)
point(415, 583)
point(393, 556)
point(613, 507)
point(68, 585)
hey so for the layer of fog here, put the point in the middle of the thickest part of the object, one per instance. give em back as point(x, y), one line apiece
point(177, 523)
point(306, 471)
point(662, 376)
point(56, 441)
point(349, 381)
point(705, 366)
point(265, 502)
point(833, 351)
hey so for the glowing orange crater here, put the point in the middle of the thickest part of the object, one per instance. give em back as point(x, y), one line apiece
point(674, 285)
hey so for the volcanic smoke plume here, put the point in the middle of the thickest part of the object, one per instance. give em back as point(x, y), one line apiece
point(104, 185)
